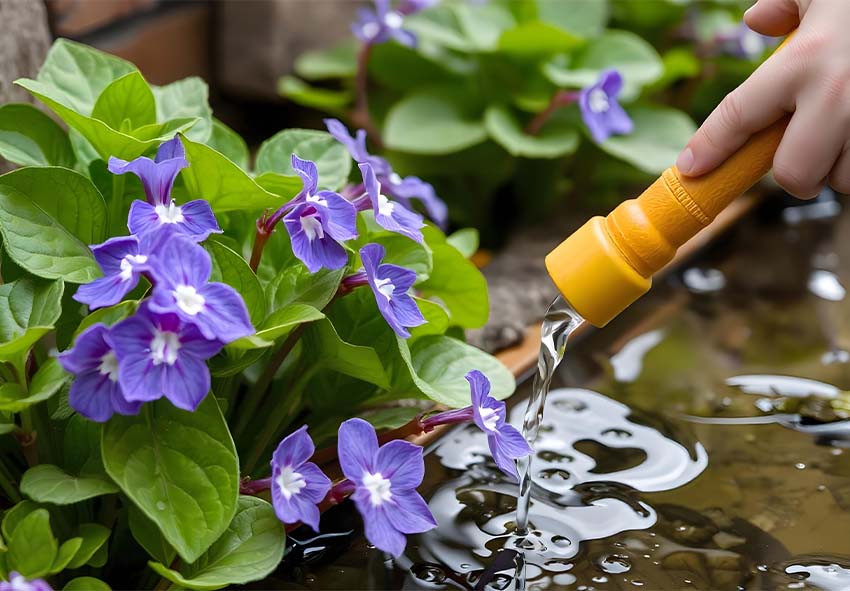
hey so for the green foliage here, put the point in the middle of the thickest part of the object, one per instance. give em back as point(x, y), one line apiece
point(28, 137)
point(330, 156)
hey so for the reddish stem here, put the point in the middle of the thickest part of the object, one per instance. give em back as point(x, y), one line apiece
point(560, 99)
point(259, 245)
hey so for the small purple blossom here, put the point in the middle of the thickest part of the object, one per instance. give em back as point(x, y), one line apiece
point(382, 24)
point(318, 223)
point(600, 110)
point(389, 215)
point(505, 441)
point(385, 481)
point(95, 392)
point(181, 270)
point(157, 175)
point(17, 582)
point(391, 284)
point(123, 260)
point(297, 485)
point(160, 355)
point(404, 189)
point(195, 219)
point(413, 6)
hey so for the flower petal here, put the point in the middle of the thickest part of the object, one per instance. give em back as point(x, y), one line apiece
point(198, 220)
point(380, 530)
point(295, 449)
point(412, 515)
point(187, 382)
point(179, 261)
point(357, 447)
point(339, 216)
point(89, 347)
point(224, 316)
point(479, 386)
point(91, 395)
point(308, 172)
point(318, 484)
point(402, 463)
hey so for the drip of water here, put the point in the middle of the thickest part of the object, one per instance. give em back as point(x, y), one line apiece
point(560, 322)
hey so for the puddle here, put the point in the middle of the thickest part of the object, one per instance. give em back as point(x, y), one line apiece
point(693, 456)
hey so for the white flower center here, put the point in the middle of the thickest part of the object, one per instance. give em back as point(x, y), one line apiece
point(188, 299)
point(290, 482)
point(395, 178)
point(370, 29)
point(489, 417)
point(312, 226)
point(598, 101)
point(319, 200)
point(394, 20)
point(109, 366)
point(378, 487)
point(385, 287)
point(164, 347)
point(127, 265)
point(19, 583)
point(170, 214)
point(385, 206)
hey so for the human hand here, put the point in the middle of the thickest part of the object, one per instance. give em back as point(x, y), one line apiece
point(809, 77)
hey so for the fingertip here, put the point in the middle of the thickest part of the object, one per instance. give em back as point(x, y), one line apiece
point(773, 17)
point(685, 161)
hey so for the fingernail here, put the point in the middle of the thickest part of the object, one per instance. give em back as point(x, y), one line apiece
point(685, 161)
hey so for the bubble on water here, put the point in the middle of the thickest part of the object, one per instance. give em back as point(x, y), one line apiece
point(569, 405)
point(800, 466)
point(614, 564)
point(617, 433)
point(428, 573)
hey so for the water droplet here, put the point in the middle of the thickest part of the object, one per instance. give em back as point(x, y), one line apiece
point(428, 573)
point(614, 564)
point(561, 541)
point(762, 568)
point(554, 457)
point(836, 451)
point(821, 488)
point(465, 565)
point(570, 405)
point(800, 466)
point(555, 475)
point(600, 579)
point(687, 581)
point(637, 583)
point(616, 433)
point(160, 505)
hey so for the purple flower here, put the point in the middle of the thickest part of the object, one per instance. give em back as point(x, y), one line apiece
point(390, 284)
point(95, 392)
point(157, 175)
point(160, 355)
point(389, 215)
point(385, 481)
point(356, 146)
point(17, 582)
point(297, 485)
point(181, 270)
point(195, 219)
point(414, 6)
point(505, 441)
point(319, 222)
point(745, 43)
point(402, 189)
point(123, 260)
point(600, 110)
point(381, 25)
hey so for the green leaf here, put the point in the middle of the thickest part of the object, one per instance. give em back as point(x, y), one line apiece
point(40, 243)
point(439, 26)
point(441, 362)
point(484, 24)
point(13, 516)
point(47, 483)
point(578, 17)
point(28, 137)
point(465, 240)
point(290, 282)
point(186, 98)
point(67, 550)
point(330, 156)
point(658, 137)
point(46, 382)
point(93, 536)
point(86, 584)
point(390, 418)
point(458, 284)
point(436, 318)
point(28, 310)
point(212, 176)
point(537, 39)
point(284, 186)
point(146, 533)
point(635, 59)
point(557, 138)
point(108, 316)
point(279, 324)
point(333, 353)
point(68, 197)
point(400, 250)
point(332, 101)
point(128, 98)
point(226, 141)
point(230, 268)
point(430, 122)
point(249, 550)
point(180, 468)
point(32, 547)
point(338, 62)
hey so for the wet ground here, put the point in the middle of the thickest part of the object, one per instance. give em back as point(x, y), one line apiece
point(698, 442)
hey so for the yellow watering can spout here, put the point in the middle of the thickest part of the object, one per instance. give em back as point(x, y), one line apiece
point(609, 262)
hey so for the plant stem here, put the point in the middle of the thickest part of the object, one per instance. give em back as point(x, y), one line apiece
point(360, 116)
point(560, 99)
point(260, 240)
point(116, 206)
point(6, 483)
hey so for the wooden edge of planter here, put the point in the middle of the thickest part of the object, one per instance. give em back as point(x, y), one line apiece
point(522, 357)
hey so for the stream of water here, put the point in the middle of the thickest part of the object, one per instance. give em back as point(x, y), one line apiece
point(560, 322)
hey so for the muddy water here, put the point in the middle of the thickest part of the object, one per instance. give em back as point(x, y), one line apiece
point(699, 442)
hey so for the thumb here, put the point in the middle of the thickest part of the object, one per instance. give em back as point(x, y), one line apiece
point(775, 17)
